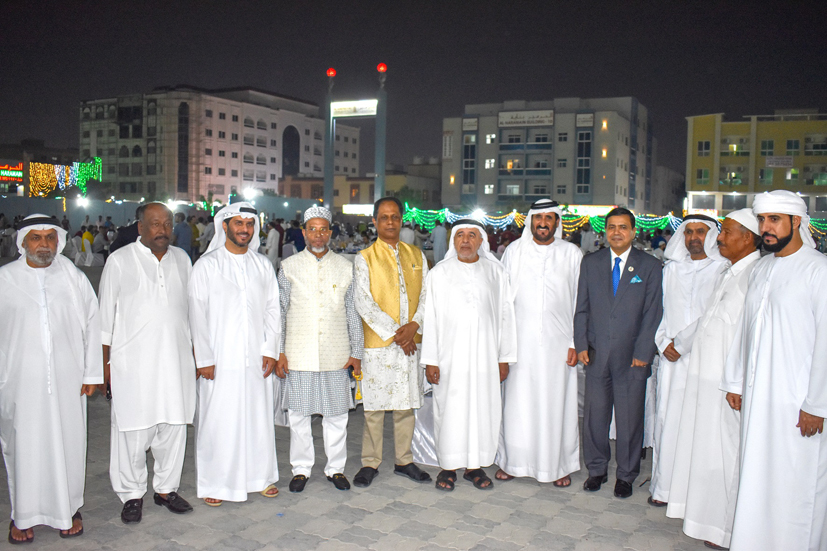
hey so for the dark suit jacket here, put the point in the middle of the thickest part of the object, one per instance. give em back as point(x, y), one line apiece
point(617, 328)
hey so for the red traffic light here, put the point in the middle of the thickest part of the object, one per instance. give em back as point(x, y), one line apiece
point(331, 72)
point(382, 68)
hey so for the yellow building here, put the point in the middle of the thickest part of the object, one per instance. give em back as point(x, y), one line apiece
point(727, 163)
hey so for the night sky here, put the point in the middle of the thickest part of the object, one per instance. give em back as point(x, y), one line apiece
point(677, 58)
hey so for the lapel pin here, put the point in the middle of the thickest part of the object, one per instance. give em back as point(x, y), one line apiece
point(631, 268)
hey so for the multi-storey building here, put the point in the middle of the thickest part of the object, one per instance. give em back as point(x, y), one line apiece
point(576, 151)
point(727, 163)
point(183, 142)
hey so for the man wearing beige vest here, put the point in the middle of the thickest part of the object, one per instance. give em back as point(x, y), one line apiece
point(321, 339)
point(390, 295)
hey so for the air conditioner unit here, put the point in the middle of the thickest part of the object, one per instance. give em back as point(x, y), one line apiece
point(725, 141)
point(808, 169)
point(743, 141)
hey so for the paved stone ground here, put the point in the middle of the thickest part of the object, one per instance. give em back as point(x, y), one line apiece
point(394, 514)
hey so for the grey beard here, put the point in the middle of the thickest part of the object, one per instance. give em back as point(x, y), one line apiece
point(317, 250)
point(40, 259)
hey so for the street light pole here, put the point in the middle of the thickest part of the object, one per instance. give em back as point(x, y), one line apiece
point(329, 136)
point(381, 129)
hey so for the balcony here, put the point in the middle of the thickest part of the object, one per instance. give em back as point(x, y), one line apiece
point(512, 172)
point(538, 172)
point(512, 146)
point(538, 145)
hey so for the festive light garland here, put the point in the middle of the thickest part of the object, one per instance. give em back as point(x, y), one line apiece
point(45, 178)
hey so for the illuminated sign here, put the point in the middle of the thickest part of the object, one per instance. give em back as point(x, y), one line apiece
point(589, 210)
point(526, 118)
point(359, 210)
point(11, 173)
point(361, 108)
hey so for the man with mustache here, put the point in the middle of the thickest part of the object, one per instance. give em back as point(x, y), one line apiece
point(693, 263)
point(777, 376)
point(147, 355)
point(705, 475)
point(540, 434)
point(50, 361)
point(468, 341)
point(235, 321)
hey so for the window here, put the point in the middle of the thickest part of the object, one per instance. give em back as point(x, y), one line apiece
point(99, 133)
point(111, 169)
point(208, 113)
point(514, 138)
point(249, 139)
point(222, 116)
point(345, 139)
point(306, 131)
point(353, 155)
point(222, 135)
point(111, 133)
point(273, 143)
point(208, 132)
point(489, 189)
point(821, 204)
point(307, 150)
point(563, 137)
point(234, 173)
point(123, 152)
point(354, 140)
point(767, 147)
point(261, 176)
point(353, 171)
point(261, 141)
point(584, 161)
point(85, 133)
point(793, 147)
point(273, 126)
point(208, 151)
point(734, 202)
point(150, 170)
point(261, 160)
point(86, 153)
point(221, 153)
point(583, 189)
point(792, 176)
point(561, 189)
point(490, 163)
point(561, 163)
point(248, 158)
point(307, 164)
point(207, 170)
point(272, 159)
point(765, 176)
point(447, 146)
point(512, 189)
point(317, 191)
point(702, 176)
point(539, 189)
point(469, 159)
point(272, 176)
point(235, 118)
point(336, 153)
point(123, 131)
point(490, 138)
point(248, 122)
point(336, 168)
point(248, 175)
point(111, 152)
point(261, 125)
point(338, 137)
point(541, 138)
point(542, 163)
point(234, 154)
point(234, 137)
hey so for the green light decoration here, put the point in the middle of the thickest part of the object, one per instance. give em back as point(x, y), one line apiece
point(88, 171)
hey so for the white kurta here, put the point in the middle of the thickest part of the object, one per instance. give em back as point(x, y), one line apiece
point(687, 288)
point(392, 380)
point(50, 348)
point(273, 246)
point(469, 329)
point(780, 368)
point(235, 321)
point(540, 435)
point(144, 321)
point(439, 236)
point(705, 475)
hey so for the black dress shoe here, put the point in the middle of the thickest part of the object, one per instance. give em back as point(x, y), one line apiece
point(623, 489)
point(298, 483)
point(365, 476)
point(173, 502)
point(132, 511)
point(593, 483)
point(340, 481)
point(412, 471)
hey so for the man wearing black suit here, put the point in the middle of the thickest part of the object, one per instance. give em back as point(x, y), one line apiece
point(619, 307)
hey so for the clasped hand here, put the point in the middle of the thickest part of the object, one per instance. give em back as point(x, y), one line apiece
point(404, 338)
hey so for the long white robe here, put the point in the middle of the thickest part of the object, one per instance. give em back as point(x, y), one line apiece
point(49, 349)
point(468, 330)
point(235, 321)
point(540, 435)
point(144, 321)
point(687, 288)
point(780, 368)
point(439, 236)
point(273, 247)
point(705, 475)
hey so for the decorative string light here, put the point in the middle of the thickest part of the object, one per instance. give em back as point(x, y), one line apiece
point(45, 178)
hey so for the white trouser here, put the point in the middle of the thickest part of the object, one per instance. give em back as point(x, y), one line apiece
point(302, 452)
point(127, 459)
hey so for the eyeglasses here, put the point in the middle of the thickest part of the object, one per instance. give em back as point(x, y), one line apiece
point(317, 231)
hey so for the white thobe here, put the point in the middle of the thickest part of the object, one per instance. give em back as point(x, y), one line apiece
point(392, 380)
point(687, 288)
point(780, 368)
point(705, 473)
point(235, 321)
point(440, 241)
point(469, 330)
point(273, 246)
point(540, 435)
point(144, 321)
point(50, 349)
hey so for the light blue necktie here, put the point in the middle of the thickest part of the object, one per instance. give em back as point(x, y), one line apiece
point(616, 276)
